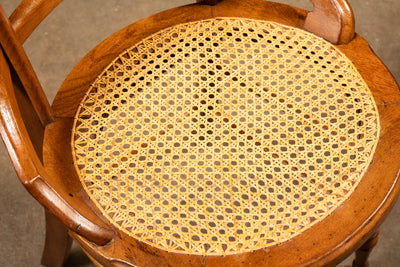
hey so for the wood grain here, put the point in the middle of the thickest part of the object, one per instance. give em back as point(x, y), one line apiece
point(332, 20)
point(31, 171)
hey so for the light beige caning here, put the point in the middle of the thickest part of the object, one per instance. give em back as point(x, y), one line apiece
point(224, 136)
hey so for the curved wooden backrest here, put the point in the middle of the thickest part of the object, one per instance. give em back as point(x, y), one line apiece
point(29, 167)
point(24, 113)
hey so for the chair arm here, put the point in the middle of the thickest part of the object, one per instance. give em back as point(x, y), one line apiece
point(31, 171)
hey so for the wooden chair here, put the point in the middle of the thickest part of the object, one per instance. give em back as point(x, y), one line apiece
point(219, 133)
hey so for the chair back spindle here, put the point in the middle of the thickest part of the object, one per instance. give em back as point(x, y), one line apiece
point(19, 61)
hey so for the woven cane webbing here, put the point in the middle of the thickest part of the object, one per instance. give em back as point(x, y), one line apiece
point(224, 136)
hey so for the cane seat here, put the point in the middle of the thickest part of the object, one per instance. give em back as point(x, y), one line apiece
point(233, 134)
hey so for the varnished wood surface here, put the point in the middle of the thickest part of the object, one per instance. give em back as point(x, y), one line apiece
point(62, 178)
point(332, 20)
point(326, 243)
point(31, 120)
point(28, 163)
point(15, 138)
point(29, 167)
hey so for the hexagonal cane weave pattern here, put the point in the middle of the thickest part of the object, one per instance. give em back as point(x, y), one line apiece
point(224, 136)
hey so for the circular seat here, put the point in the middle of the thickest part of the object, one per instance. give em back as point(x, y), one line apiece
point(224, 136)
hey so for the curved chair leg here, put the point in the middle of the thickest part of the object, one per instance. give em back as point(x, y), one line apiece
point(362, 253)
point(58, 243)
